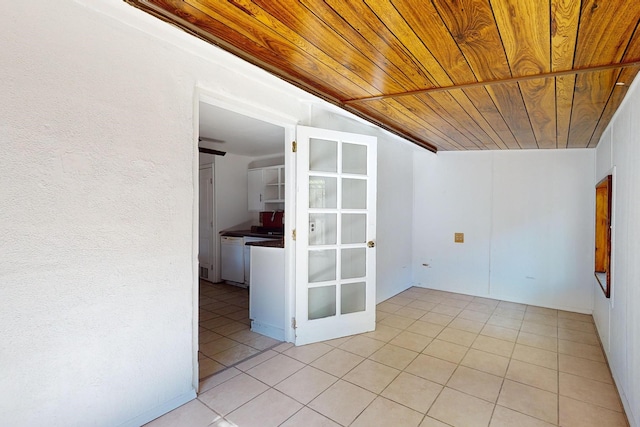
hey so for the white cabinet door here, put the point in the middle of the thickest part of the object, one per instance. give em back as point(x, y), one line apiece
point(255, 190)
point(266, 294)
point(335, 251)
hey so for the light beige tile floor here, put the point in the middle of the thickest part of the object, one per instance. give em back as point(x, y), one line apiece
point(224, 336)
point(435, 359)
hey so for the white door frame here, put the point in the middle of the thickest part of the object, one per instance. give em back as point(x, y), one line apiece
point(266, 115)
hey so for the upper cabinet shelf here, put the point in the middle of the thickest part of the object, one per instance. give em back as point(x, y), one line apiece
point(266, 188)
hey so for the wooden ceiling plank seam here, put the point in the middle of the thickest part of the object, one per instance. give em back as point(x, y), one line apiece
point(428, 145)
point(540, 102)
point(467, 105)
point(618, 93)
point(510, 104)
point(592, 93)
point(367, 50)
point(399, 27)
point(518, 21)
point(464, 116)
point(427, 24)
point(481, 97)
point(416, 76)
point(473, 27)
point(426, 124)
point(330, 72)
point(384, 111)
point(272, 25)
point(565, 93)
point(440, 71)
point(565, 19)
point(614, 102)
point(297, 78)
point(604, 31)
point(433, 117)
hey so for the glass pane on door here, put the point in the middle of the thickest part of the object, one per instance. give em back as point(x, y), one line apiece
point(353, 263)
point(323, 155)
point(354, 193)
point(322, 265)
point(354, 228)
point(354, 158)
point(322, 302)
point(323, 192)
point(323, 229)
point(353, 297)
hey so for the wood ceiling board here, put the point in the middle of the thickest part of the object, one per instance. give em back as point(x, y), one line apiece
point(475, 113)
point(424, 19)
point(388, 51)
point(565, 15)
point(435, 113)
point(606, 28)
point(485, 105)
point(540, 100)
point(474, 29)
point(591, 94)
point(347, 47)
point(412, 117)
point(564, 102)
point(508, 100)
point(287, 50)
point(625, 78)
point(461, 118)
point(423, 58)
point(524, 31)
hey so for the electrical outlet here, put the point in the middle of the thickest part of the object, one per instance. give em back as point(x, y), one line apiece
point(458, 237)
point(312, 227)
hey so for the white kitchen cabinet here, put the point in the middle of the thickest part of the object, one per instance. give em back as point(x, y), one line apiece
point(255, 190)
point(266, 291)
point(266, 188)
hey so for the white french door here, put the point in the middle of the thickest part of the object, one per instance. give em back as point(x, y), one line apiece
point(335, 234)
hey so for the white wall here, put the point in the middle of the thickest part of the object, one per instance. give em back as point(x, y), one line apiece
point(527, 222)
point(98, 272)
point(618, 318)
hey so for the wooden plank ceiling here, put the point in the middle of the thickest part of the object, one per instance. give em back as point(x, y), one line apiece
point(445, 74)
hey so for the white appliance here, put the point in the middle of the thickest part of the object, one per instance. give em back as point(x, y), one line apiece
point(232, 259)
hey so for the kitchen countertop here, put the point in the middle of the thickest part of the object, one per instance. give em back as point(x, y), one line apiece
point(249, 233)
point(276, 243)
point(276, 240)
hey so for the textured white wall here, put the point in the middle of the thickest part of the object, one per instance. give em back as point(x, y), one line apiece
point(527, 220)
point(98, 160)
point(618, 318)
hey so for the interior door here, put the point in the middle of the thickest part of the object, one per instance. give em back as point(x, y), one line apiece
point(335, 234)
point(205, 232)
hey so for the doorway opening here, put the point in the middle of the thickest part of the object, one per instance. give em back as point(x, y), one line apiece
point(241, 143)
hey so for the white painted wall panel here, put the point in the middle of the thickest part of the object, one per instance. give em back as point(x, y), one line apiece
point(527, 219)
point(542, 228)
point(617, 319)
point(453, 194)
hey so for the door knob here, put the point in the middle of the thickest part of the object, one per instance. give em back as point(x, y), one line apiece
point(371, 244)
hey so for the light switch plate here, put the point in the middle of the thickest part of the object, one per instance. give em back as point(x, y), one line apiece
point(458, 237)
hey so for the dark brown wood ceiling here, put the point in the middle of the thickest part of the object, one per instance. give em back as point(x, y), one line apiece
point(445, 74)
